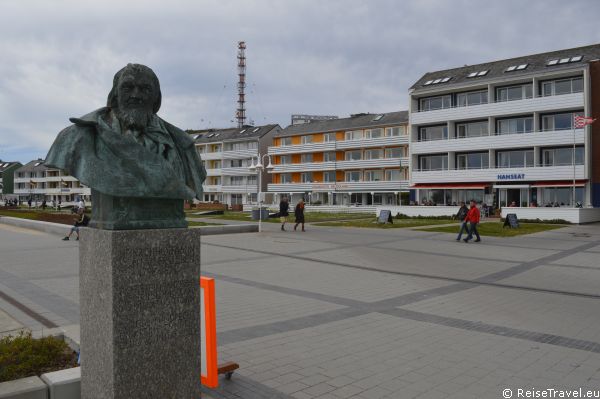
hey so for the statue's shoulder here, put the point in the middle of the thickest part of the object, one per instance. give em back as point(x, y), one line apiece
point(182, 138)
point(90, 119)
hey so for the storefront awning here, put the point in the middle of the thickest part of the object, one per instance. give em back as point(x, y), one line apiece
point(471, 186)
point(559, 183)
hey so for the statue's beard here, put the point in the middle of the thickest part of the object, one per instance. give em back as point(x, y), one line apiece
point(134, 118)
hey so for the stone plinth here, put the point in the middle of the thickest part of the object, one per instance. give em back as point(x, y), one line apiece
point(140, 313)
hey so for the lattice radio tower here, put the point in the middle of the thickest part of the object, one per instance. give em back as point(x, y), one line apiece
point(241, 110)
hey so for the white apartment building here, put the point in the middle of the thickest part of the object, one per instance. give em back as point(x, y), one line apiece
point(361, 160)
point(502, 132)
point(36, 181)
point(227, 155)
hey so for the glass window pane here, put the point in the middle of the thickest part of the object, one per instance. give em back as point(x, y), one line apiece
point(562, 87)
point(577, 85)
point(547, 88)
point(579, 155)
point(528, 90)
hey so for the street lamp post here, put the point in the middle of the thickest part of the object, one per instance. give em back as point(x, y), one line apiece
point(258, 167)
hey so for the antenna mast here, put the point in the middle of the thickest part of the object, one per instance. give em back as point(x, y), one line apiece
point(241, 110)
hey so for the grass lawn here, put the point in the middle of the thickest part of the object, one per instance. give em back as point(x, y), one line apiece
point(197, 224)
point(495, 229)
point(398, 223)
point(310, 217)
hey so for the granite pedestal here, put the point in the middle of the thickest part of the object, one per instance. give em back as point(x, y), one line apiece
point(140, 313)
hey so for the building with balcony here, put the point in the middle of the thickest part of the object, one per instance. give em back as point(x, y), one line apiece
point(358, 160)
point(503, 132)
point(37, 181)
point(7, 171)
point(227, 154)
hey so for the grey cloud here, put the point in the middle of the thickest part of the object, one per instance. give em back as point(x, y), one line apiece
point(330, 57)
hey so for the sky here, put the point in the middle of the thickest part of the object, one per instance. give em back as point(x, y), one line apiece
point(326, 57)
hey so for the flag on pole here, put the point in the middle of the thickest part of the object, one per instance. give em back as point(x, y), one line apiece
point(582, 121)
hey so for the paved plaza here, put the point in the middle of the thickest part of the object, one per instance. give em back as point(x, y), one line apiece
point(361, 313)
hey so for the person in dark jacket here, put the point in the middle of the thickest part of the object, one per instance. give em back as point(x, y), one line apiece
point(299, 213)
point(81, 220)
point(284, 207)
point(461, 215)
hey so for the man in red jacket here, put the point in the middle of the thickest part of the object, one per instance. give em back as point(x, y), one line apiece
point(473, 219)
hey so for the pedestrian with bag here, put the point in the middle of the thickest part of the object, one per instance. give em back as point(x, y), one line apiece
point(299, 213)
point(284, 208)
point(461, 216)
point(473, 217)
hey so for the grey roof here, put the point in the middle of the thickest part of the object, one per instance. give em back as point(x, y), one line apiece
point(35, 165)
point(4, 165)
point(496, 69)
point(358, 121)
point(231, 134)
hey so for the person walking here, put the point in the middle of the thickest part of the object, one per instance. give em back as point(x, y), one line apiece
point(81, 220)
point(284, 212)
point(299, 213)
point(461, 215)
point(473, 218)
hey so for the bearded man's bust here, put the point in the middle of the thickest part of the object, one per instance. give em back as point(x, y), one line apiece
point(139, 167)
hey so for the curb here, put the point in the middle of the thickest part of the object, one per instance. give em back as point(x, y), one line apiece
point(63, 229)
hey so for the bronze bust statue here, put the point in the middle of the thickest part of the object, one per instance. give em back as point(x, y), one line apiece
point(140, 168)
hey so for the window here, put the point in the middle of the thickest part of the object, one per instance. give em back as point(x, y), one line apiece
point(328, 156)
point(329, 177)
point(562, 121)
point(353, 176)
point(286, 141)
point(354, 135)
point(395, 131)
point(306, 177)
point(373, 175)
point(306, 139)
point(397, 152)
point(251, 180)
point(562, 156)
point(514, 125)
point(475, 160)
point(562, 86)
point(374, 154)
point(472, 129)
point(393, 175)
point(471, 98)
point(561, 196)
point(285, 178)
point(353, 155)
point(433, 133)
point(378, 117)
point(285, 159)
point(373, 133)
point(432, 103)
point(236, 163)
point(327, 137)
point(252, 145)
point(566, 60)
point(514, 92)
point(478, 73)
point(514, 159)
point(237, 180)
point(433, 162)
point(305, 158)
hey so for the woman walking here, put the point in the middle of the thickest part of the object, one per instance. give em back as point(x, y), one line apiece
point(284, 207)
point(299, 213)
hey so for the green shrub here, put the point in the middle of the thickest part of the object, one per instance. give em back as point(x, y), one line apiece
point(23, 356)
point(403, 216)
point(545, 221)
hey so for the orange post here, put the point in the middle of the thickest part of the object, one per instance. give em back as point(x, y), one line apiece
point(208, 352)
